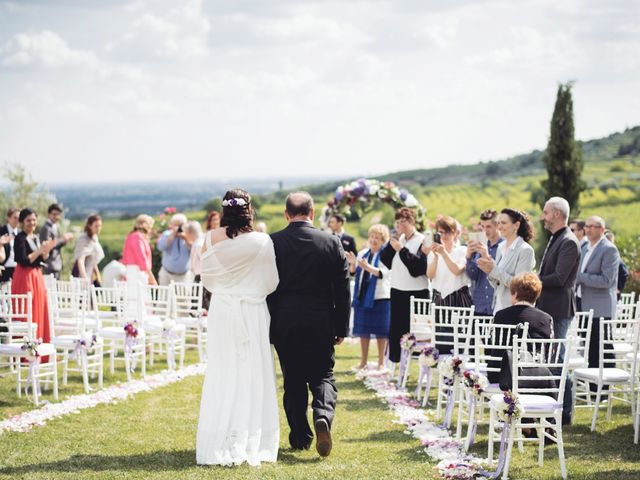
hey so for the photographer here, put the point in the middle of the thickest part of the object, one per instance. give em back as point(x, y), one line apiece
point(176, 250)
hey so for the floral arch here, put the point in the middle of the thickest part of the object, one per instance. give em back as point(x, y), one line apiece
point(362, 195)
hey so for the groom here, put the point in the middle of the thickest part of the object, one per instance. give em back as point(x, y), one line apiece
point(309, 315)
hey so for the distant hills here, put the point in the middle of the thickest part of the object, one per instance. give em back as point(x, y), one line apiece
point(613, 147)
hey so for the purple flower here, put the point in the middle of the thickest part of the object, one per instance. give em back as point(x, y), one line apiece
point(403, 195)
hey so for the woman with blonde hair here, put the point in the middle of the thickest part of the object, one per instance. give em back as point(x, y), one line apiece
point(137, 249)
point(371, 298)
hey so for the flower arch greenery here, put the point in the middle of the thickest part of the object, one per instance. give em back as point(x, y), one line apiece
point(360, 196)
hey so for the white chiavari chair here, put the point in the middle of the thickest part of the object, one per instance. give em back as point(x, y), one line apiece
point(19, 311)
point(541, 396)
point(188, 311)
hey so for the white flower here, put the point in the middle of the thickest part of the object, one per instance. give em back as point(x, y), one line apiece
point(411, 201)
point(373, 189)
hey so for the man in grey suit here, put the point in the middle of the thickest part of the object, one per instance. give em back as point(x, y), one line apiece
point(559, 267)
point(51, 230)
point(597, 280)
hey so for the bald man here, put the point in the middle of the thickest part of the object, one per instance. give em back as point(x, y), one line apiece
point(597, 279)
point(309, 315)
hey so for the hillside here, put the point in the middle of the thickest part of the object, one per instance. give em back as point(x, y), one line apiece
point(617, 146)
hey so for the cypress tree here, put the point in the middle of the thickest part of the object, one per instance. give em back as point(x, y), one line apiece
point(563, 157)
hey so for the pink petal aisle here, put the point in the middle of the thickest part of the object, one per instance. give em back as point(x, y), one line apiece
point(24, 422)
point(438, 444)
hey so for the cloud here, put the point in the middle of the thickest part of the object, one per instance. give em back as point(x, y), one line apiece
point(179, 33)
point(43, 48)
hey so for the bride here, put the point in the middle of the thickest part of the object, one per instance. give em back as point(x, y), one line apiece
point(238, 411)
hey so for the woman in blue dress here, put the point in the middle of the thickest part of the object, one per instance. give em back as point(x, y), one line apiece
point(371, 304)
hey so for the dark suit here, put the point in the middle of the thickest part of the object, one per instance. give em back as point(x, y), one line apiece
point(7, 273)
point(539, 327)
point(558, 272)
point(310, 307)
point(348, 243)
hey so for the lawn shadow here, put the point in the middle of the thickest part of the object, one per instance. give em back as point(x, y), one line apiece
point(151, 461)
point(289, 456)
point(362, 404)
point(383, 436)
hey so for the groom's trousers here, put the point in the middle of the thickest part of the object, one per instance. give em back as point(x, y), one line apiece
point(307, 366)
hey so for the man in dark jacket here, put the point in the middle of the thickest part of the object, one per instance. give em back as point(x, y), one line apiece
point(309, 315)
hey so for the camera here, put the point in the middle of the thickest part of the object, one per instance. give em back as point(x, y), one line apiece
point(180, 230)
point(437, 238)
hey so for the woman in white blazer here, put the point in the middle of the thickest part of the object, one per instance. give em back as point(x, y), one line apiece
point(514, 255)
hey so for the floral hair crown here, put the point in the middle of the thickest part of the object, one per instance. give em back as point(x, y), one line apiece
point(235, 202)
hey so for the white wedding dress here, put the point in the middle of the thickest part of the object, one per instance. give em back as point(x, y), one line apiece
point(239, 410)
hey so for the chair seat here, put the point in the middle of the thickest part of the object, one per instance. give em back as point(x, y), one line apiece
point(14, 349)
point(72, 323)
point(67, 341)
point(472, 366)
point(116, 333)
point(531, 403)
point(492, 389)
point(157, 328)
point(576, 362)
point(609, 375)
point(629, 356)
point(192, 321)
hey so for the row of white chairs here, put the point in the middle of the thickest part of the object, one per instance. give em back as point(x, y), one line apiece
point(88, 322)
point(456, 331)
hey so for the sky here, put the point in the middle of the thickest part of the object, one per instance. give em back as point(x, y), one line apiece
point(140, 90)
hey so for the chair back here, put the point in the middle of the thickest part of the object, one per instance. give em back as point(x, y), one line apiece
point(545, 354)
point(108, 305)
point(447, 322)
point(613, 334)
point(465, 334)
point(421, 322)
point(156, 302)
point(580, 330)
point(17, 311)
point(68, 311)
point(492, 340)
point(187, 298)
point(627, 298)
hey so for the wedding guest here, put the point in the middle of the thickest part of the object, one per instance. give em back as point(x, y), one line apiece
point(51, 230)
point(577, 227)
point(30, 255)
point(524, 289)
point(447, 266)
point(176, 252)
point(213, 220)
point(482, 289)
point(261, 227)
point(514, 255)
point(114, 271)
point(89, 253)
point(623, 270)
point(597, 281)
point(193, 232)
point(11, 229)
point(137, 249)
point(402, 255)
point(559, 267)
point(371, 297)
point(336, 224)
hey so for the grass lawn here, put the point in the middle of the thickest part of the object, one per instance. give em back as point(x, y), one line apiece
point(153, 436)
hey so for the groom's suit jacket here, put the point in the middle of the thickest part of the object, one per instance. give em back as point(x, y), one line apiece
point(313, 297)
point(558, 270)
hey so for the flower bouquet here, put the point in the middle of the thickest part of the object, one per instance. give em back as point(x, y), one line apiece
point(476, 383)
point(510, 410)
point(408, 341)
point(30, 347)
point(429, 357)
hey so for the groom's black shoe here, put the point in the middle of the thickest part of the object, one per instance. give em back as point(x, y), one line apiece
point(323, 437)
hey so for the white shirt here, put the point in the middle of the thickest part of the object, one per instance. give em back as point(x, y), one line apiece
point(401, 279)
point(11, 261)
point(114, 270)
point(585, 261)
point(445, 281)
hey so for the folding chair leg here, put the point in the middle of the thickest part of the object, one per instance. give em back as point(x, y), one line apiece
point(596, 407)
point(127, 365)
point(609, 403)
point(560, 441)
point(100, 354)
point(55, 377)
point(492, 422)
point(199, 340)
point(505, 472)
point(65, 368)
point(144, 362)
point(85, 370)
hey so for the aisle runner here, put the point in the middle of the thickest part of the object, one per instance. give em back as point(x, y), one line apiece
point(453, 463)
point(24, 422)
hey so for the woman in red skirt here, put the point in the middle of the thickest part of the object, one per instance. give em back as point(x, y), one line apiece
point(30, 254)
